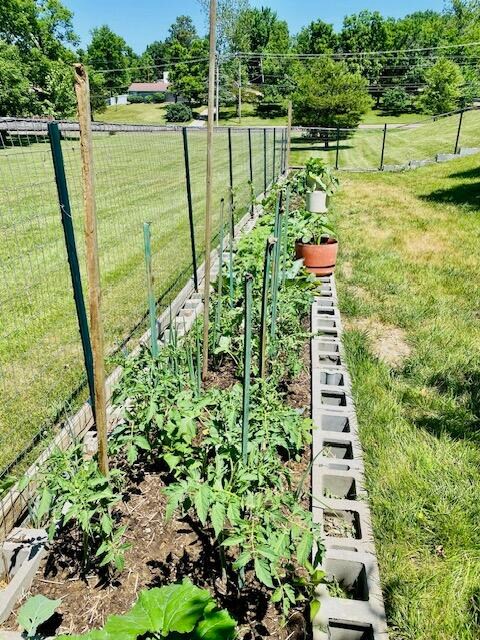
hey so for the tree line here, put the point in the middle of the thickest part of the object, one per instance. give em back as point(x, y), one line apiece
point(424, 64)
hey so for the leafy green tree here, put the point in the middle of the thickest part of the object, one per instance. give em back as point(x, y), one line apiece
point(317, 37)
point(158, 54)
point(189, 79)
point(396, 100)
point(328, 95)
point(182, 32)
point(444, 87)
point(109, 52)
point(17, 97)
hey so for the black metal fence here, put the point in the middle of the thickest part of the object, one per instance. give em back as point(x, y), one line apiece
point(390, 146)
point(142, 173)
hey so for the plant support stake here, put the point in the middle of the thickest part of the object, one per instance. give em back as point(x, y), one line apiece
point(247, 364)
point(383, 146)
point(263, 317)
point(276, 264)
point(208, 199)
point(218, 310)
point(82, 90)
point(152, 307)
point(289, 134)
point(230, 257)
point(190, 206)
point(457, 140)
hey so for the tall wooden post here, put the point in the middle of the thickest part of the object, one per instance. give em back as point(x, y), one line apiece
point(208, 200)
point(217, 90)
point(82, 90)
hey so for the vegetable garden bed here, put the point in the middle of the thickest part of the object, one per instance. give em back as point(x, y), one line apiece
point(208, 483)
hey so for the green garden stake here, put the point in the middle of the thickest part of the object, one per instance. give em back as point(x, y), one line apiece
point(263, 318)
point(218, 310)
point(230, 256)
point(247, 364)
point(276, 267)
point(198, 359)
point(151, 296)
point(285, 235)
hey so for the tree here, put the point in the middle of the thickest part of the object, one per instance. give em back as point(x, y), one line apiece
point(228, 12)
point(443, 90)
point(328, 95)
point(158, 53)
point(109, 52)
point(189, 78)
point(317, 37)
point(396, 100)
point(17, 97)
point(182, 32)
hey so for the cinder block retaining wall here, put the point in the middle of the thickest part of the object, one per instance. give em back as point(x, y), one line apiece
point(339, 498)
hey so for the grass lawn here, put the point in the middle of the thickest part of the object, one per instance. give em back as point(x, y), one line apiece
point(137, 114)
point(363, 149)
point(139, 177)
point(229, 118)
point(376, 116)
point(409, 284)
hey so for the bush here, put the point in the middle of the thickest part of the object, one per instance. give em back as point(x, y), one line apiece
point(148, 99)
point(158, 97)
point(135, 99)
point(396, 100)
point(270, 110)
point(178, 112)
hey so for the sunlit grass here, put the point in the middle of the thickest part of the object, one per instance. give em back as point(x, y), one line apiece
point(409, 264)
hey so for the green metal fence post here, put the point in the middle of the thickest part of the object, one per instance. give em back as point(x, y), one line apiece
point(190, 206)
point(152, 307)
point(250, 164)
point(264, 160)
point(218, 309)
point(383, 146)
point(230, 175)
point(69, 235)
point(247, 364)
point(285, 234)
point(457, 140)
point(338, 148)
point(263, 317)
point(276, 264)
point(274, 153)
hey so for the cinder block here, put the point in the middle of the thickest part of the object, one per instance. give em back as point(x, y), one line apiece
point(333, 448)
point(21, 555)
point(329, 482)
point(445, 157)
point(330, 397)
point(346, 523)
point(469, 151)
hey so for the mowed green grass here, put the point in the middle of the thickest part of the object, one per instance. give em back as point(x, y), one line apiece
point(409, 279)
point(139, 177)
point(138, 114)
point(376, 116)
point(405, 142)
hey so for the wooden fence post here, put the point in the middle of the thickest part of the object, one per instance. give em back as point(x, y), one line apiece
point(82, 90)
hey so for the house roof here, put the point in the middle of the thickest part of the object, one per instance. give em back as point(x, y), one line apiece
point(160, 85)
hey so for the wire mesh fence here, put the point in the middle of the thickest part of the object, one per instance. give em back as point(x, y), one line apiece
point(396, 146)
point(140, 175)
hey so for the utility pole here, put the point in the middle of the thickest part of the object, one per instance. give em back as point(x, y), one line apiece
point(208, 200)
point(240, 91)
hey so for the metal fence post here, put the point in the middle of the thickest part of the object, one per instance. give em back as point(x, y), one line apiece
point(152, 307)
point(190, 206)
point(69, 235)
point(457, 140)
point(274, 151)
point(264, 160)
point(250, 162)
point(338, 148)
point(383, 146)
point(230, 174)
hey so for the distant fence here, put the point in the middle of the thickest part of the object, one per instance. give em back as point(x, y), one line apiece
point(142, 173)
point(390, 146)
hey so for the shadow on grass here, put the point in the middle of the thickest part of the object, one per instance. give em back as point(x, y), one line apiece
point(469, 173)
point(459, 419)
point(462, 194)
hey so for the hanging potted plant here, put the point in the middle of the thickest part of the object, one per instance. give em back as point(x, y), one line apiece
point(315, 242)
point(320, 183)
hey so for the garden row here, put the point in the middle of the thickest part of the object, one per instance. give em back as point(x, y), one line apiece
point(209, 479)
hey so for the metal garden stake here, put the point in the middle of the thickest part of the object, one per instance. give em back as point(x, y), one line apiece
point(247, 364)
point(151, 297)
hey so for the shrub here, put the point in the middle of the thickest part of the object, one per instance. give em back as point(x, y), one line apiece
point(178, 112)
point(443, 91)
point(135, 99)
point(270, 110)
point(158, 97)
point(396, 100)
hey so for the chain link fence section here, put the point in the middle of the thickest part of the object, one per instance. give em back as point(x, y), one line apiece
point(140, 176)
point(392, 146)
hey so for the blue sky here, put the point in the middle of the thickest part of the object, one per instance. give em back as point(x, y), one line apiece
point(143, 21)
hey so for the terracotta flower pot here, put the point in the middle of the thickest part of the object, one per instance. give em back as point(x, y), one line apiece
point(319, 259)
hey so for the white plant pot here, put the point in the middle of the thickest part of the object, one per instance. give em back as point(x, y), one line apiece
point(317, 201)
